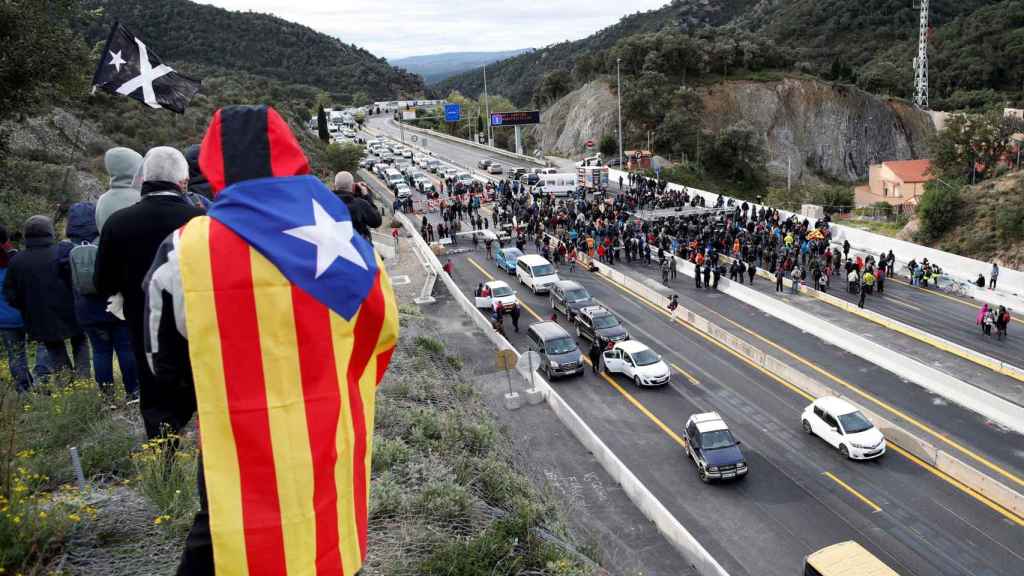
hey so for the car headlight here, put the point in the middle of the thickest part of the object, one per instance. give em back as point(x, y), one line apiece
point(861, 446)
point(554, 364)
point(741, 464)
point(713, 469)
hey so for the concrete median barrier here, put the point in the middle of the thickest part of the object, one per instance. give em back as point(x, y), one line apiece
point(673, 531)
point(920, 448)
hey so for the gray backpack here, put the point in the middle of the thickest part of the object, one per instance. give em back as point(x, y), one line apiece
point(83, 266)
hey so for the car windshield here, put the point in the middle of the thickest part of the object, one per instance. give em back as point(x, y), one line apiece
point(501, 291)
point(543, 270)
point(560, 346)
point(606, 321)
point(576, 295)
point(854, 422)
point(645, 357)
point(716, 440)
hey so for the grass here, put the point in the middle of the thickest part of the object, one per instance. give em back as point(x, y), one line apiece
point(883, 227)
point(446, 497)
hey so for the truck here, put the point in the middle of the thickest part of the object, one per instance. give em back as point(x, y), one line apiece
point(592, 178)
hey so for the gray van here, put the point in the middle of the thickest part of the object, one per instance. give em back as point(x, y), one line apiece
point(559, 354)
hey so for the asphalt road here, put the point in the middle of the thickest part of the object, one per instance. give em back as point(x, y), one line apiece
point(800, 495)
point(962, 432)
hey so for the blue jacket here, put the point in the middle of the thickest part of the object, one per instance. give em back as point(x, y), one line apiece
point(9, 317)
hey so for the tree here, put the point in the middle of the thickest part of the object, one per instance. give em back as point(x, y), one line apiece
point(343, 157)
point(972, 146)
point(554, 85)
point(360, 98)
point(608, 146)
point(678, 132)
point(937, 209)
point(737, 154)
point(321, 125)
point(44, 60)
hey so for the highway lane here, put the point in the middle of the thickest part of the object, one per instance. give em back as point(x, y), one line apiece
point(789, 506)
point(944, 316)
point(791, 503)
point(997, 450)
point(962, 432)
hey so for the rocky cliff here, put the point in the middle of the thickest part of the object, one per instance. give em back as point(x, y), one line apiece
point(827, 130)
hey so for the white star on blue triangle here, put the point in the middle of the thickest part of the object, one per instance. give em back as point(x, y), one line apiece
point(332, 239)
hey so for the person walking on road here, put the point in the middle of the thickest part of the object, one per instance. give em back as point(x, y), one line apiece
point(1002, 322)
point(717, 276)
point(751, 271)
point(514, 315)
point(779, 275)
point(993, 277)
point(707, 275)
point(672, 266)
point(697, 271)
point(795, 277)
point(595, 354)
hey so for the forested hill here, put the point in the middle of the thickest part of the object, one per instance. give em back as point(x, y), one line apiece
point(977, 48)
point(182, 31)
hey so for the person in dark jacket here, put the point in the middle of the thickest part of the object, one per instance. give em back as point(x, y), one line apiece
point(595, 353)
point(106, 332)
point(12, 327)
point(128, 244)
point(199, 190)
point(39, 287)
point(359, 202)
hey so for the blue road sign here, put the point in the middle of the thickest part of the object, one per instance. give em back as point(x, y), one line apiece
point(452, 112)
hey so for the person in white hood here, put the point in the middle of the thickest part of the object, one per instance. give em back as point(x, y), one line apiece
point(123, 165)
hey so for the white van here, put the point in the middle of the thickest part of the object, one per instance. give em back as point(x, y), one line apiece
point(536, 273)
point(562, 184)
point(393, 177)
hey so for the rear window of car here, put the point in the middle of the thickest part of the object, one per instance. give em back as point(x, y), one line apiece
point(501, 291)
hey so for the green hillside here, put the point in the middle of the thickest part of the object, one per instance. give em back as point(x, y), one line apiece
point(976, 52)
point(182, 31)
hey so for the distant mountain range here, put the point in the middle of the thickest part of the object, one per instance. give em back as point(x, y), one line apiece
point(437, 67)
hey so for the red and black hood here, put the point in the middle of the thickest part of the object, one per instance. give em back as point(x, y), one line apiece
point(246, 143)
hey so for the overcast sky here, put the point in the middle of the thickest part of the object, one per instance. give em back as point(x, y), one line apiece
point(399, 28)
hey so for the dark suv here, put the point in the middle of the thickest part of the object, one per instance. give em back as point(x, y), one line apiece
point(596, 322)
point(559, 354)
point(568, 297)
point(713, 449)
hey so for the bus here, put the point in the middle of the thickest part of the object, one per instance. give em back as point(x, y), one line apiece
point(845, 559)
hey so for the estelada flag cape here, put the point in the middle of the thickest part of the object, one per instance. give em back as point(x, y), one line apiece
point(291, 321)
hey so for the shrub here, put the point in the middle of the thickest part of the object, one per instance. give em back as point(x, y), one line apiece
point(937, 209)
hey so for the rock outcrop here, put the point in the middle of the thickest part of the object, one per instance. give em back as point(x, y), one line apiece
point(821, 130)
point(826, 130)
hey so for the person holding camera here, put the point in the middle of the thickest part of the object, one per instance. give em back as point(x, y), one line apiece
point(359, 200)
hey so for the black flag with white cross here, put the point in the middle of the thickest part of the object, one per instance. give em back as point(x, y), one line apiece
point(128, 68)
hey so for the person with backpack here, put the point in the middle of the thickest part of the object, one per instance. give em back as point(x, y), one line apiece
point(12, 327)
point(39, 287)
point(123, 167)
point(107, 333)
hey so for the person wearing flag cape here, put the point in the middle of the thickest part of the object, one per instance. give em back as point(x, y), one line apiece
point(290, 321)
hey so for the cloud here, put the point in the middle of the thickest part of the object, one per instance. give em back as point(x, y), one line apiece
point(400, 28)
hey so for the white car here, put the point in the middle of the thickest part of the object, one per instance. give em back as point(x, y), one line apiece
point(637, 362)
point(500, 294)
point(839, 423)
point(402, 190)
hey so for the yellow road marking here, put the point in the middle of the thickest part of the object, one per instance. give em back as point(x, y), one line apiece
point(687, 374)
point(935, 471)
point(850, 489)
point(1010, 515)
point(489, 277)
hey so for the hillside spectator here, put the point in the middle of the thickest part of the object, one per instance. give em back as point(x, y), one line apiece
point(993, 276)
point(107, 334)
point(39, 287)
point(123, 168)
point(359, 201)
point(12, 327)
point(199, 193)
point(128, 243)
